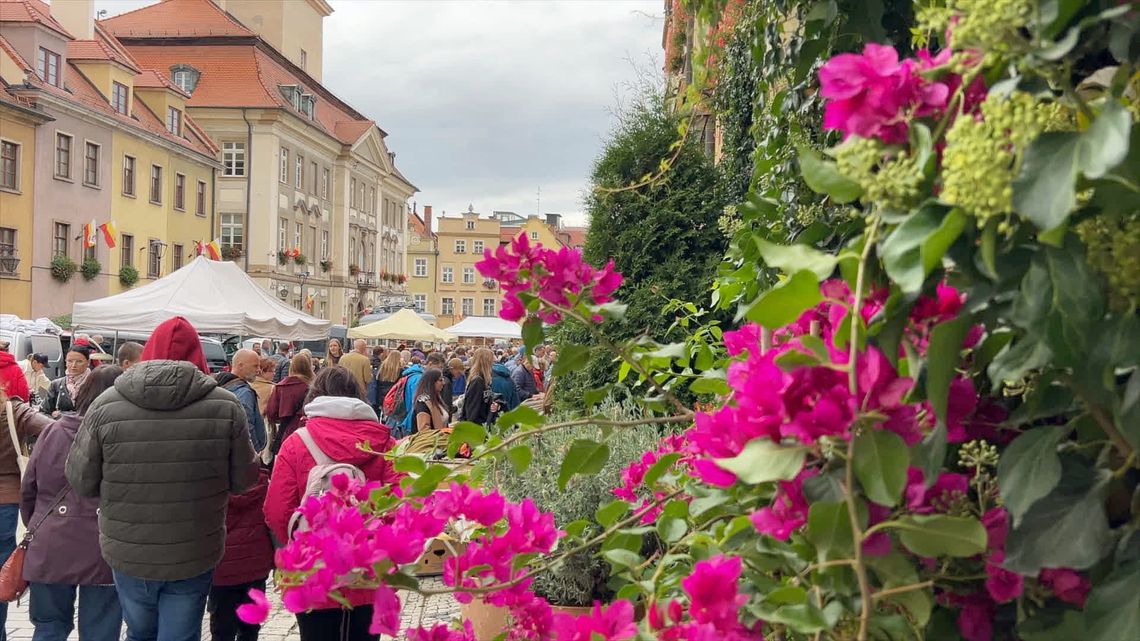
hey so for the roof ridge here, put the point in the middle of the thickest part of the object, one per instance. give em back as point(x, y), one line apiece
point(261, 76)
point(114, 43)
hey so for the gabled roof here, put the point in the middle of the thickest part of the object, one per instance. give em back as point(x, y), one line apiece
point(575, 236)
point(176, 18)
point(30, 11)
point(417, 226)
point(98, 49)
point(151, 79)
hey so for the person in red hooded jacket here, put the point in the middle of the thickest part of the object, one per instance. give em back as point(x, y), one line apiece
point(246, 564)
point(338, 419)
point(12, 380)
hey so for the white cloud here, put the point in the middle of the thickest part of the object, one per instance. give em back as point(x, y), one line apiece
point(486, 102)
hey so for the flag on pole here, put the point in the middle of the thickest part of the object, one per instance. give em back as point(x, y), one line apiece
point(110, 232)
point(214, 250)
point(309, 302)
point(89, 234)
point(198, 248)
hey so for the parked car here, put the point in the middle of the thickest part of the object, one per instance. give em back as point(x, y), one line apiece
point(215, 354)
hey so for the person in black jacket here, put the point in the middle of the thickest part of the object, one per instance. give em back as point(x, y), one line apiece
point(61, 393)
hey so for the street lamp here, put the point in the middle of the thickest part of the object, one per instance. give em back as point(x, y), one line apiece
point(304, 276)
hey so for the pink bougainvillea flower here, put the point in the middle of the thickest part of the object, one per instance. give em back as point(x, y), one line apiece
point(613, 623)
point(996, 522)
point(1001, 584)
point(1067, 585)
point(961, 401)
point(257, 612)
point(385, 612)
point(442, 632)
point(923, 500)
point(713, 592)
point(789, 509)
point(975, 621)
point(879, 543)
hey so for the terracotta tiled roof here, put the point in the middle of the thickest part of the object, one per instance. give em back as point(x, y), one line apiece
point(576, 235)
point(173, 18)
point(98, 49)
point(30, 11)
point(7, 48)
point(151, 79)
point(417, 226)
point(507, 234)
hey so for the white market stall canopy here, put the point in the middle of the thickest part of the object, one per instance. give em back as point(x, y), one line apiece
point(404, 325)
point(486, 327)
point(217, 297)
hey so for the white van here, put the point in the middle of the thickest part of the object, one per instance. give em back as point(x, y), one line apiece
point(21, 344)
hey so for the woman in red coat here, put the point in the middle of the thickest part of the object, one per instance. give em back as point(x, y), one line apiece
point(338, 420)
point(246, 564)
point(287, 400)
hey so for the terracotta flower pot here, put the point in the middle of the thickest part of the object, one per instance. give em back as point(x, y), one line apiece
point(487, 621)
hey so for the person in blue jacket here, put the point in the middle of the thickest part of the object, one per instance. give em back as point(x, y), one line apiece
point(413, 372)
point(501, 383)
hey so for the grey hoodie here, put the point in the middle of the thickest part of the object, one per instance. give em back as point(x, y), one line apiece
point(163, 450)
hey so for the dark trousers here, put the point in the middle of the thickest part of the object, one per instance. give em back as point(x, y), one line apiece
point(336, 624)
point(52, 611)
point(9, 513)
point(222, 606)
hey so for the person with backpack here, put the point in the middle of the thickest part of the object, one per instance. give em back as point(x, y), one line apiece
point(387, 376)
point(410, 379)
point(338, 421)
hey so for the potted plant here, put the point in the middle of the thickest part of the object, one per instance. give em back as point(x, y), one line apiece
point(403, 278)
point(90, 268)
point(62, 268)
point(282, 257)
point(354, 269)
point(299, 259)
point(128, 275)
point(326, 265)
point(230, 252)
point(582, 578)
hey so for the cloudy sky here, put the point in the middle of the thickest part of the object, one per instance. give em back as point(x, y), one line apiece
point(486, 103)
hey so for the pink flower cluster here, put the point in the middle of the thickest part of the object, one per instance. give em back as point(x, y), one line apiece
point(559, 278)
point(713, 609)
point(633, 476)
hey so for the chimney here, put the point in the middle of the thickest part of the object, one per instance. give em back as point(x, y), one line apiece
point(427, 218)
point(77, 16)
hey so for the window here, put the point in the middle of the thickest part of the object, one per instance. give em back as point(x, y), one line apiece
point(9, 165)
point(91, 164)
point(372, 199)
point(233, 158)
point(448, 274)
point(421, 302)
point(304, 58)
point(471, 224)
point(461, 246)
point(186, 77)
point(7, 245)
point(447, 306)
point(200, 206)
point(120, 97)
point(153, 259)
point(313, 171)
point(61, 235)
point(233, 234)
point(420, 267)
point(297, 233)
point(174, 121)
point(128, 175)
point(284, 171)
point(477, 246)
point(62, 156)
point(179, 191)
point(488, 306)
point(312, 241)
point(176, 258)
point(156, 184)
point(324, 244)
point(468, 275)
point(325, 183)
point(91, 253)
point(534, 235)
point(299, 172)
point(282, 233)
point(126, 251)
point(468, 306)
point(352, 193)
point(47, 66)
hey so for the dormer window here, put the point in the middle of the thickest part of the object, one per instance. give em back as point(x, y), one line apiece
point(306, 103)
point(120, 97)
point(174, 121)
point(47, 66)
point(186, 77)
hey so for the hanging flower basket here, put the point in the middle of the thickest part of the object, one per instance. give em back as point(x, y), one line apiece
point(90, 269)
point(231, 253)
point(128, 275)
point(63, 268)
point(403, 278)
point(299, 259)
point(282, 257)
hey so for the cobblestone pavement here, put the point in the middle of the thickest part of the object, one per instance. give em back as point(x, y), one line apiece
point(282, 626)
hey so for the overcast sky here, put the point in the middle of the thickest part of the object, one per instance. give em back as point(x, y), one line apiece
point(486, 102)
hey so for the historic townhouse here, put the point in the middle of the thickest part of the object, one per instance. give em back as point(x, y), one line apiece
point(310, 202)
point(18, 124)
point(118, 151)
point(423, 262)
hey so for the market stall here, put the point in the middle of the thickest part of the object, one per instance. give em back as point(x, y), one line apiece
point(403, 325)
point(485, 330)
point(217, 297)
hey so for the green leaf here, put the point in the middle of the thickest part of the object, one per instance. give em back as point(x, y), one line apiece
point(1068, 528)
point(592, 397)
point(521, 415)
point(785, 302)
point(804, 618)
point(787, 595)
point(467, 432)
point(881, 460)
point(583, 457)
point(1057, 305)
point(410, 464)
point(829, 528)
point(659, 467)
point(792, 258)
point(918, 244)
point(622, 558)
point(571, 357)
point(671, 530)
point(1013, 362)
point(427, 482)
point(1113, 607)
point(532, 333)
point(929, 453)
point(943, 355)
point(577, 528)
point(1046, 189)
point(709, 385)
point(520, 457)
point(824, 178)
point(1030, 468)
point(762, 461)
point(936, 535)
point(895, 570)
point(611, 513)
point(1105, 142)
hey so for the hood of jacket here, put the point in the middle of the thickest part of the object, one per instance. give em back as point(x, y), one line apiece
point(7, 359)
point(340, 424)
point(176, 340)
point(292, 381)
point(414, 368)
point(164, 385)
point(498, 369)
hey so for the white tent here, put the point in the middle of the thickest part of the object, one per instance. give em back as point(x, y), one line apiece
point(404, 325)
point(486, 327)
point(217, 297)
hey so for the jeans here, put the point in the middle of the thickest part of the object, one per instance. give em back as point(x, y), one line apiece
point(9, 515)
point(337, 624)
point(223, 604)
point(163, 610)
point(52, 611)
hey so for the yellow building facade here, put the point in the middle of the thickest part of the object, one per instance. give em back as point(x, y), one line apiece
point(423, 262)
point(17, 169)
point(462, 291)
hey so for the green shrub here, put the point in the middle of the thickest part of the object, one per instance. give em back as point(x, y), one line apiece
point(90, 268)
point(128, 275)
point(582, 578)
point(63, 268)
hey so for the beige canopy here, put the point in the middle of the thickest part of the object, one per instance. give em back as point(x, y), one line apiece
point(405, 325)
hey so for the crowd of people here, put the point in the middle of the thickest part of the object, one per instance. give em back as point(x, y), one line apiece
point(156, 492)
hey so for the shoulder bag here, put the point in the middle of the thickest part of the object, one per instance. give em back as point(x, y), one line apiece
point(17, 447)
point(12, 583)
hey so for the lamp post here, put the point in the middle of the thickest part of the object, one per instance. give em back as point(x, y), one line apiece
point(304, 276)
